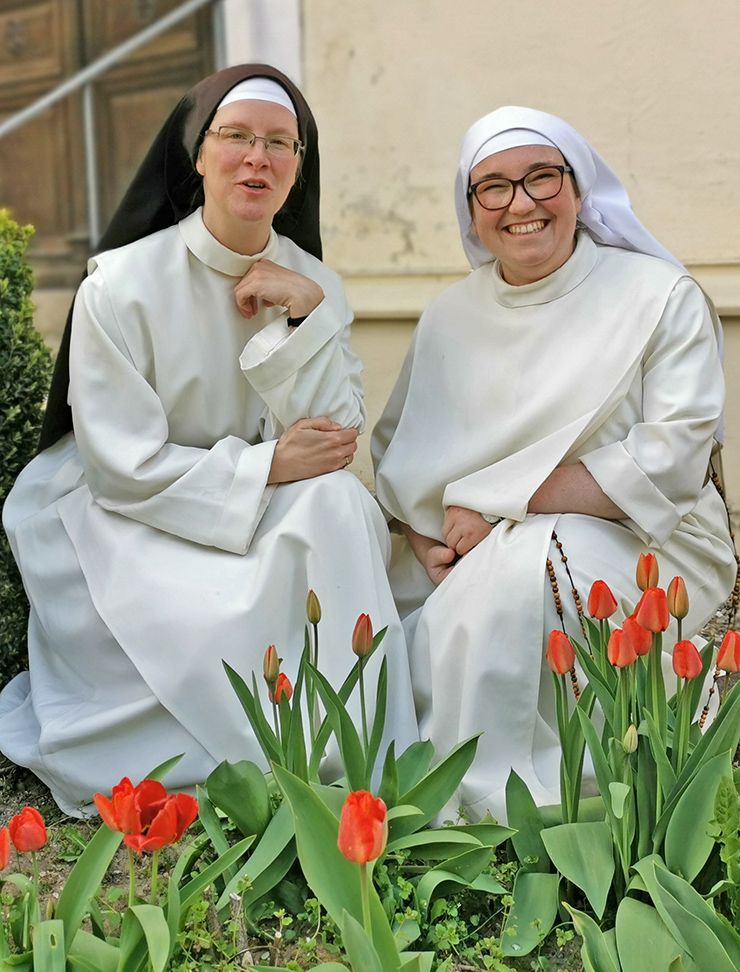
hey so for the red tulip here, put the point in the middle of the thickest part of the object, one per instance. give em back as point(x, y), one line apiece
point(678, 598)
point(362, 636)
point(728, 658)
point(620, 651)
point(168, 826)
point(363, 827)
point(27, 830)
point(560, 655)
point(686, 660)
point(313, 608)
point(638, 637)
point(271, 665)
point(282, 686)
point(4, 848)
point(601, 602)
point(131, 808)
point(652, 611)
point(647, 571)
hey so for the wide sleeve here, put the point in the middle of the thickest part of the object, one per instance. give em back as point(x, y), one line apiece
point(309, 370)
point(656, 473)
point(212, 496)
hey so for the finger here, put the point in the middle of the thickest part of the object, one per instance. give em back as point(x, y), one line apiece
point(320, 422)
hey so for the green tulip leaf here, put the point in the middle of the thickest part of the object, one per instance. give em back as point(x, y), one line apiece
point(599, 951)
point(583, 853)
point(533, 912)
point(696, 926)
point(89, 952)
point(360, 951)
point(433, 791)
point(333, 879)
point(435, 845)
point(376, 733)
point(487, 832)
point(268, 864)
point(488, 884)
point(194, 888)
point(666, 775)
point(619, 793)
point(688, 842)
point(405, 931)
point(350, 747)
point(253, 708)
point(460, 870)
point(240, 790)
point(152, 930)
point(722, 735)
point(417, 962)
point(523, 814)
point(388, 791)
point(413, 764)
point(48, 946)
point(643, 941)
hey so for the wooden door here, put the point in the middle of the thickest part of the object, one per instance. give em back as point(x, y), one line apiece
point(42, 165)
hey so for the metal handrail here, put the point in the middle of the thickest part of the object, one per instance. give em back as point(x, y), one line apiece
point(83, 79)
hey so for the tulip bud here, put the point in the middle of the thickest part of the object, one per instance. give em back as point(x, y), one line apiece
point(647, 571)
point(620, 650)
point(313, 608)
point(363, 827)
point(27, 830)
point(362, 636)
point(638, 637)
point(271, 665)
point(652, 611)
point(629, 742)
point(560, 655)
point(282, 686)
point(678, 598)
point(728, 658)
point(601, 602)
point(686, 660)
point(4, 848)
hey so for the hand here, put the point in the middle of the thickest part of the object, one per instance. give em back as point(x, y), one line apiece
point(438, 562)
point(464, 529)
point(272, 284)
point(311, 447)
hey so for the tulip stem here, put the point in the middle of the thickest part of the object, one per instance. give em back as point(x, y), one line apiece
point(275, 718)
point(362, 704)
point(364, 890)
point(314, 701)
point(131, 879)
point(155, 875)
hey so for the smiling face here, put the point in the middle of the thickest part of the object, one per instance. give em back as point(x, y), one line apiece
point(531, 238)
point(245, 189)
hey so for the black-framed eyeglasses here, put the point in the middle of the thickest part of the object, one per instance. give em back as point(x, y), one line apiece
point(543, 183)
point(241, 139)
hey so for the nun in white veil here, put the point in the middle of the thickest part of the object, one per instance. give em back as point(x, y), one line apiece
point(572, 383)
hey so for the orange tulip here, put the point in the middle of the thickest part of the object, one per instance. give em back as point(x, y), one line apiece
point(639, 638)
point(4, 848)
point(27, 830)
point(601, 602)
point(362, 636)
point(271, 665)
point(678, 598)
point(560, 655)
point(363, 827)
point(313, 608)
point(282, 686)
point(131, 808)
point(652, 611)
point(168, 826)
point(686, 660)
point(728, 658)
point(647, 571)
point(620, 650)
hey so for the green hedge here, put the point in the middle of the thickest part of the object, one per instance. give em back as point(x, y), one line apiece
point(25, 369)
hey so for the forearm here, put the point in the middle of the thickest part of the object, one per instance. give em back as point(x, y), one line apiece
point(572, 489)
point(420, 544)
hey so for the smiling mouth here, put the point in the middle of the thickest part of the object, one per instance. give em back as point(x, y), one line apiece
point(255, 184)
point(522, 229)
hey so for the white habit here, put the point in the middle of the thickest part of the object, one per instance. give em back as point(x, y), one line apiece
point(151, 545)
point(611, 360)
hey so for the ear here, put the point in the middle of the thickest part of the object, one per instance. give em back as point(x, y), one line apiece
point(199, 164)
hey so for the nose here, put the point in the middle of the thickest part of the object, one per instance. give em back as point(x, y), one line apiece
point(256, 152)
point(521, 202)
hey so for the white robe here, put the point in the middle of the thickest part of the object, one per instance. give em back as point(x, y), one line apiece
point(612, 361)
point(151, 545)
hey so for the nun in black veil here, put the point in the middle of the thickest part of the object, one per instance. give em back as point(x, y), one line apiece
point(190, 486)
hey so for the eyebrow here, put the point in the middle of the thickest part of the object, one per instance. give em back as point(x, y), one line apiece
point(530, 168)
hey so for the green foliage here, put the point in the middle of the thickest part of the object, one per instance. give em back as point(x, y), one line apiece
point(25, 367)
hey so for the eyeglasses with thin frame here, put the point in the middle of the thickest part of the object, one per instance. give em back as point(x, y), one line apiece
point(543, 183)
point(241, 139)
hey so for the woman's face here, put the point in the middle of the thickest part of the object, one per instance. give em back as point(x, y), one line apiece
point(245, 188)
point(531, 238)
